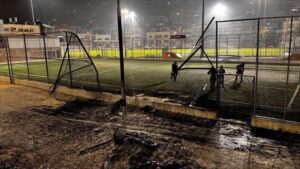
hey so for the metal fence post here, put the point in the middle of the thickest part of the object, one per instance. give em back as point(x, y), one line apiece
point(156, 54)
point(8, 62)
point(254, 96)
point(257, 60)
point(46, 59)
point(69, 61)
point(299, 75)
point(26, 57)
point(239, 46)
point(217, 66)
point(288, 68)
point(145, 46)
point(227, 43)
point(122, 71)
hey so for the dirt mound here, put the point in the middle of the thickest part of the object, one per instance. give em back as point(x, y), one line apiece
point(139, 154)
point(80, 109)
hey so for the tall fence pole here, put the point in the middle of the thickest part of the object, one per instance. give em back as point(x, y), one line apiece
point(257, 66)
point(26, 57)
point(288, 68)
point(46, 59)
point(8, 62)
point(257, 61)
point(69, 61)
point(145, 45)
point(202, 26)
point(123, 92)
point(227, 43)
point(253, 96)
point(239, 46)
point(217, 65)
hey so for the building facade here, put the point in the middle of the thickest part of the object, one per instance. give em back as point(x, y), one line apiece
point(103, 40)
point(158, 39)
point(87, 39)
point(19, 29)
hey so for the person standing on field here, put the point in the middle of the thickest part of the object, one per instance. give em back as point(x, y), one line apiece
point(213, 77)
point(221, 75)
point(239, 72)
point(174, 71)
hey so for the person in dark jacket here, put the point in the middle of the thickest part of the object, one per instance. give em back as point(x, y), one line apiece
point(174, 71)
point(221, 75)
point(240, 72)
point(213, 77)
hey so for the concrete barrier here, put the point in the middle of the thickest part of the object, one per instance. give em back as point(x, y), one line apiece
point(275, 124)
point(159, 104)
point(156, 103)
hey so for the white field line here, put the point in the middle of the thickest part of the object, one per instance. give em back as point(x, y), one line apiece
point(294, 96)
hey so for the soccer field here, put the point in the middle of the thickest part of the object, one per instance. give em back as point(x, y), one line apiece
point(152, 77)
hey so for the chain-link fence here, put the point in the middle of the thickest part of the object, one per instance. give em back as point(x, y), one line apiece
point(269, 48)
point(271, 58)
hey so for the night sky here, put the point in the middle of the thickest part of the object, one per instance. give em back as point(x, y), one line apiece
point(14, 8)
point(58, 11)
point(101, 13)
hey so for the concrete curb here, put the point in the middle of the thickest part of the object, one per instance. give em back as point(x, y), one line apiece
point(256, 121)
point(275, 124)
point(112, 98)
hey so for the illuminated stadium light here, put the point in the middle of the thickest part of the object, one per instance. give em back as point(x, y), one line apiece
point(220, 10)
point(131, 14)
point(124, 11)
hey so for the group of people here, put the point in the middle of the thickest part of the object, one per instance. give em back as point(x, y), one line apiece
point(213, 72)
point(240, 68)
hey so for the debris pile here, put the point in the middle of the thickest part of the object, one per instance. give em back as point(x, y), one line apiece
point(136, 138)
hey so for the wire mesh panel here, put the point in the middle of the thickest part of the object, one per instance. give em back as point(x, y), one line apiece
point(84, 71)
point(5, 69)
point(16, 52)
point(293, 92)
point(272, 82)
point(55, 47)
point(236, 63)
point(36, 56)
point(76, 68)
point(237, 40)
point(237, 95)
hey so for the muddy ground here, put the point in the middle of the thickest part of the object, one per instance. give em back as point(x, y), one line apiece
point(39, 131)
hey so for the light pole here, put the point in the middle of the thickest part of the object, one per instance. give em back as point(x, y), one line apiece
point(32, 11)
point(122, 71)
point(202, 28)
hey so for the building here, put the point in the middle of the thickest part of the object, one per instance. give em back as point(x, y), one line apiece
point(133, 40)
point(19, 29)
point(286, 27)
point(103, 40)
point(12, 38)
point(34, 48)
point(87, 39)
point(158, 39)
